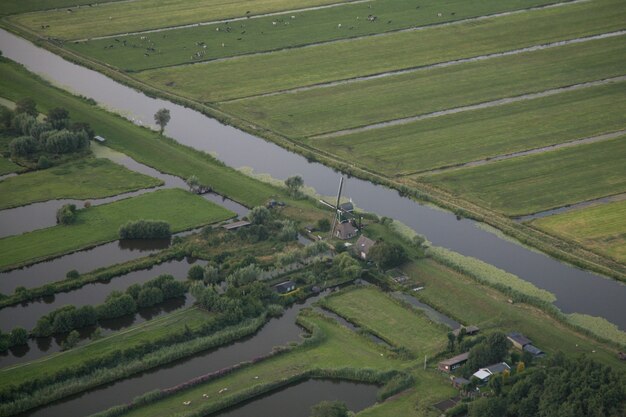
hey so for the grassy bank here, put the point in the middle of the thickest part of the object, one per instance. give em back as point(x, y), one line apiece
point(100, 224)
point(469, 136)
point(249, 75)
point(132, 16)
point(7, 167)
point(373, 310)
point(142, 144)
point(187, 45)
point(83, 179)
point(599, 228)
point(322, 110)
point(540, 182)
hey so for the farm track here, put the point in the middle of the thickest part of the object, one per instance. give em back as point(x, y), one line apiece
point(335, 41)
point(433, 66)
point(549, 148)
point(484, 105)
point(570, 207)
point(235, 19)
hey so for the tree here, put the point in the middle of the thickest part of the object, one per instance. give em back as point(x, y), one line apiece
point(149, 296)
point(58, 117)
point(451, 340)
point(483, 407)
point(259, 215)
point(495, 383)
point(18, 336)
point(66, 215)
point(23, 146)
point(323, 225)
point(330, 409)
point(6, 116)
point(196, 273)
point(72, 340)
point(162, 118)
point(192, 182)
point(73, 274)
point(520, 367)
point(211, 275)
point(294, 184)
point(26, 105)
point(387, 255)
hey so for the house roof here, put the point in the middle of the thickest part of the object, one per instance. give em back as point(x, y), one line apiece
point(518, 338)
point(236, 225)
point(345, 230)
point(498, 368)
point(459, 358)
point(482, 374)
point(284, 285)
point(460, 381)
point(533, 349)
point(364, 244)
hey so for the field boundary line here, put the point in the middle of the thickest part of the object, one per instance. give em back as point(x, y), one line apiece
point(233, 19)
point(569, 207)
point(533, 151)
point(477, 106)
point(444, 64)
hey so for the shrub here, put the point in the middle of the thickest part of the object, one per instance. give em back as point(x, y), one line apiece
point(26, 105)
point(18, 336)
point(196, 273)
point(23, 146)
point(22, 123)
point(145, 229)
point(72, 340)
point(73, 274)
point(66, 214)
point(43, 162)
point(259, 215)
point(65, 141)
point(323, 225)
point(149, 296)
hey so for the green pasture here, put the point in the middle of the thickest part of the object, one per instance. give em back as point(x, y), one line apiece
point(23, 6)
point(534, 183)
point(250, 75)
point(82, 179)
point(330, 353)
point(386, 318)
point(600, 228)
point(7, 167)
point(473, 135)
point(462, 298)
point(148, 331)
point(141, 144)
point(202, 43)
point(321, 110)
point(138, 15)
point(100, 224)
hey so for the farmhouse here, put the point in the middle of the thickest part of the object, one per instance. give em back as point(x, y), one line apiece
point(236, 225)
point(345, 231)
point(518, 340)
point(483, 374)
point(285, 287)
point(451, 364)
point(363, 246)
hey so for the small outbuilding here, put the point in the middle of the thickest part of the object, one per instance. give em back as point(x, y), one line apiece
point(518, 340)
point(99, 139)
point(469, 330)
point(459, 382)
point(483, 374)
point(534, 350)
point(285, 287)
point(345, 231)
point(363, 246)
point(451, 364)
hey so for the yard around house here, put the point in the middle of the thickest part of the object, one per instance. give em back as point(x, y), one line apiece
point(81, 179)
point(100, 224)
point(398, 325)
point(601, 228)
point(530, 184)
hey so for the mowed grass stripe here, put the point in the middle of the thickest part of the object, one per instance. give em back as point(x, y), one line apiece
point(22, 6)
point(373, 310)
point(468, 136)
point(179, 46)
point(100, 224)
point(600, 228)
point(319, 111)
point(137, 15)
point(531, 184)
point(254, 75)
point(89, 178)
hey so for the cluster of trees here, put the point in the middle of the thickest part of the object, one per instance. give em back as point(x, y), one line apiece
point(209, 274)
point(56, 135)
point(387, 255)
point(17, 336)
point(66, 214)
point(492, 349)
point(294, 184)
point(117, 304)
point(561, 387)
point(145, 229)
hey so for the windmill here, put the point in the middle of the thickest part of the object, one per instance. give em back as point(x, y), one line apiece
point(341, 213)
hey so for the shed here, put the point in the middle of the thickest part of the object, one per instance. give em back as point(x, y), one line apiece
point(469, 330)
point(236, 225)
point(363, 246)
point(534, 350)
point(453, 363)
point(483, 374)
point(518, 340)
point(345, 231)
point(459, 382)
point(99, 139)
point(285, 287)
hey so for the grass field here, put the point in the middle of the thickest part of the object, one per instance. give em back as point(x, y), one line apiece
point(373, 310)
point(535, 183)
point(245, 76)
point(141, 144)
point(600, 228)
point(100, 224)
point(351, 105)
point(23, 6)
point(7, 167)
point(473, 135)
point(135, 335)
point(179, 46)
point(82, 179)
point(460, 297)
point(137, 15)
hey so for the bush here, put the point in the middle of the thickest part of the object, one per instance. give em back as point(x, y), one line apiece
point(73, 274)
point(149, 296)
point(43, 162)
point(145, 229)
point(259, 215)
point(66, 214)
point(22, 124)
point(117, 306)
point(196, 273)
point(323, 225)
point(387, 255)
point(71, 341)
point(65, 141)
point(18, 336)
point(23, 146)
point(26, 105)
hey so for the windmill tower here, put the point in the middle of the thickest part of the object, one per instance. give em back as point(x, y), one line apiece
point(340, 213)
